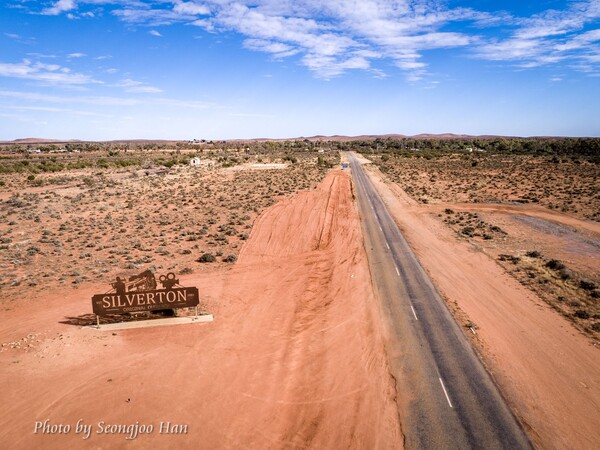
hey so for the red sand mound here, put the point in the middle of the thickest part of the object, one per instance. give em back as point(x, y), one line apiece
point(294, 358)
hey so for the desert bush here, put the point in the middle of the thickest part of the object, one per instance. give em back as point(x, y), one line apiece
point(555, 264)
point(207, 258)
point(587, 285)
point(533, 254)
point(230, 259)
point(468, 231)
point(565, 273)
point(511, 258)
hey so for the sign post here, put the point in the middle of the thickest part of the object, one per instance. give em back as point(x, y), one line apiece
point(139, 294)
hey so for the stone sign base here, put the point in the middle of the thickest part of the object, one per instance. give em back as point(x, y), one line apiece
point(151, 323)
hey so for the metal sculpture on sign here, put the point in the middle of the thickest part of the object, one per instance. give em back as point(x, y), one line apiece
point(139, 293)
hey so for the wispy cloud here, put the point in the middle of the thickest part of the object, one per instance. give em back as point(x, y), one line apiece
point(59, 7)
point(549, 38)
point(155, 33)
point(18, 38)
point(191, 8)
point(95, 101)
point(137, 87)
point(53, 110)
point(47, 73)
point(278, 49)
point(330, 37)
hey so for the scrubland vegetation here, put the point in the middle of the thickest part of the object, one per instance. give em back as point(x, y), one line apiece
point(561, 175)
point(566, 184)
point(89, 224)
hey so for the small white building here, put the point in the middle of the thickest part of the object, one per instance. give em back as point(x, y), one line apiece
point(195, 162)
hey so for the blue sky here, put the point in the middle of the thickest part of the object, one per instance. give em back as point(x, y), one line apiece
point(221, 69)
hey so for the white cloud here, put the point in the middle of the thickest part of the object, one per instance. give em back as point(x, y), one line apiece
point(48, 73)
point(333, 36)
point(155, 33)
point(191, 8)
point(278, 49)
point(76, 55)
point(59, 7)
point(137, 87)
point(548, 38)
point(336, 36)
point(204, 23)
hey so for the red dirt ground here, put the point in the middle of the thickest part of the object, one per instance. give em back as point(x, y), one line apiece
point(294, 358)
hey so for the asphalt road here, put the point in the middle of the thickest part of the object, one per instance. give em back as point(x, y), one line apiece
point(446, 398)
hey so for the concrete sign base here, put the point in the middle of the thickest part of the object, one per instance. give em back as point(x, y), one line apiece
point(151, 323)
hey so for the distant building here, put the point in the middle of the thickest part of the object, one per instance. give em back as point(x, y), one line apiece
point(195, 162)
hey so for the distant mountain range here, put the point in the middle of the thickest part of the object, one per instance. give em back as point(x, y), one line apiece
point(38, 141)
point(338, 138)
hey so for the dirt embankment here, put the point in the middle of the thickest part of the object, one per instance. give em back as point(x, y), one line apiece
point(294, 358)
point(548, 371)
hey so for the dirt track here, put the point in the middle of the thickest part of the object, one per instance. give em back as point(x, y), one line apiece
point(294, 358)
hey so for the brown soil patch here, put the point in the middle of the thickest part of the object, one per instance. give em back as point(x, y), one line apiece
point(568, 185)
point(294, 358)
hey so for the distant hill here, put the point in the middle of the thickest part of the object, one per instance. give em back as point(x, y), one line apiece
point(336, 138)
point(39, 141)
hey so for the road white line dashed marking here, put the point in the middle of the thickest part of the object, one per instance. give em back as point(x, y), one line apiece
point(387, 245)
point(414, 313)
point(397, 271)
point(446, 393)
point(380, 228)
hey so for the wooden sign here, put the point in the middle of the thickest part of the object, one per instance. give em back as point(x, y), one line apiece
point(139, 293)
